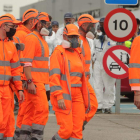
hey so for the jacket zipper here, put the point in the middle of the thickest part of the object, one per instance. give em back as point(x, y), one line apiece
point(4, 63)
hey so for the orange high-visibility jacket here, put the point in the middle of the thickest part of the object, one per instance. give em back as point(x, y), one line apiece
point(134, 65)
point(9, 64)
point(20, 55)
point(20, 35)
point(36, 52)
point(60, 84)
point(87, 56)
point(22, 32)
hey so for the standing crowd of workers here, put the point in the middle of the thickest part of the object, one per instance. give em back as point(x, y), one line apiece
point(40, 61)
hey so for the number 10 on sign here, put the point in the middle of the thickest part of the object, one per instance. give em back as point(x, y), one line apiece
point(123, 24)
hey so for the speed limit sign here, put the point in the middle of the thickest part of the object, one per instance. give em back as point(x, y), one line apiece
point(120, 25)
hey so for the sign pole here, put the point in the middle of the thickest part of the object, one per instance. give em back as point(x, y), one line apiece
point(118, 90)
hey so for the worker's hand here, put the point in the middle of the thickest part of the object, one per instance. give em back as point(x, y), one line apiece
point(31, 88)
point(21, 96)
point(137, 99)
point(61, 104)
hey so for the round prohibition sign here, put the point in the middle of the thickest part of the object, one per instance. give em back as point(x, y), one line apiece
point(120, 25)
point(117, 58)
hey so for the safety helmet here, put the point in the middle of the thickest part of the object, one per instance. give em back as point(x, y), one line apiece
point(30, 13)
point(8, 18)
point(41, 16)
point(86, 18)
point(71, 29)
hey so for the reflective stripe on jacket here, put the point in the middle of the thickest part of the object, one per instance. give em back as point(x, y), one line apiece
point(60, 84)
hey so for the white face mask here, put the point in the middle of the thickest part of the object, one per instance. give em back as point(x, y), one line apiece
point(66, 44)
point(44, 32)
point(90, 35)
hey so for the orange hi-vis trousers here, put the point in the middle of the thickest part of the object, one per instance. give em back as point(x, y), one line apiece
point(93, 104)
point(21, 111)
point(20, 116)
point(36, 114)
point(7, 120)
point(71, 124)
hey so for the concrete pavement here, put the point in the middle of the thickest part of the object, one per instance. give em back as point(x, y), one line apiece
point(104, 127)
point(127, 108)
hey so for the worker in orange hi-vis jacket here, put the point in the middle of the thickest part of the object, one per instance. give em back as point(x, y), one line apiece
point(86, 22)
point(9, 70)
point(27, 24)
point(68, 84)
point(19, 47)
point(36, 58)
point(22, 31)
point(134, 70)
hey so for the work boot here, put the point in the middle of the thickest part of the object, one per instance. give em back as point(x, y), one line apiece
point(85, 122)
point(16, 107)
point(16, 135)
point(34, 139)
point(99, 111)
point(53, 138)
point(107, 111)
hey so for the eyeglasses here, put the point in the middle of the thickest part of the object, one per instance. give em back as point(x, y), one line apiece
point(11, 26)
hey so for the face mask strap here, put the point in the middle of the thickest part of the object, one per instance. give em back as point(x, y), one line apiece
point(43, 26)
point(68, 38)
point(90, 25)
point(82, 29)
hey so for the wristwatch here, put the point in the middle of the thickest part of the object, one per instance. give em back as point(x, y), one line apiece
point(29, 81)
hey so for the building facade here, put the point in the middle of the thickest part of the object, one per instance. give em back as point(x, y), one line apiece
point(57, 8)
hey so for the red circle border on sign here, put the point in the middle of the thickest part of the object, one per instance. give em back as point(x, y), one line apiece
point(105, 62)
point(106, 23)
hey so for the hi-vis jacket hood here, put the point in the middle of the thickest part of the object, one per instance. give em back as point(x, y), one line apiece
point(22, 32)
point(60, 84)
